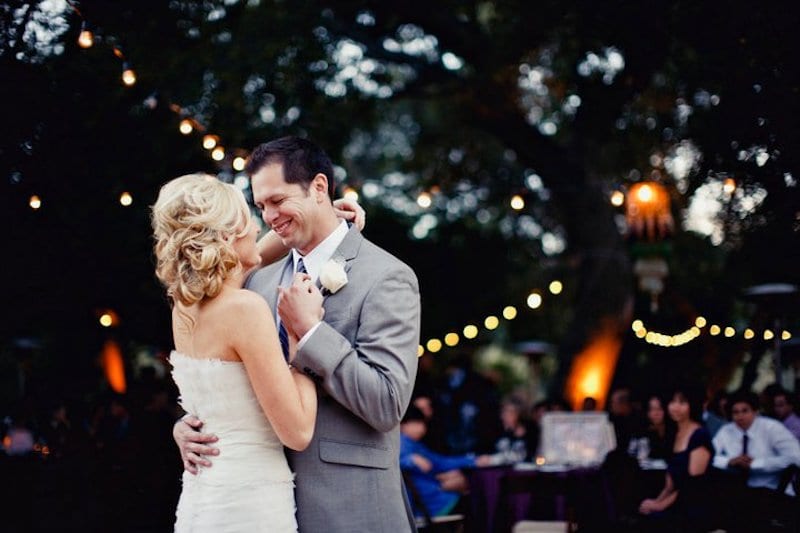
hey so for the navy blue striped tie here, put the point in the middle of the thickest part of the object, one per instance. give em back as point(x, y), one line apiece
point(283, 335)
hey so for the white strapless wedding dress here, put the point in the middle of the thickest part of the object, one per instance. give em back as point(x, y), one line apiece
point(250, 486)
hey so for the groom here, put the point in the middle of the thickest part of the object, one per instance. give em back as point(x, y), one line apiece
point(363, 355)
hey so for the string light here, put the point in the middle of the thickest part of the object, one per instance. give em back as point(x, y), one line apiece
point(654, 337)
point(451, 339)
point(420, 351)
point(218, 153)
point(125, 199)
point(424, 200)
point(434, 345)
point(510, 312)
point(35, 202)
point(238, 163)
point(128, 75)
point(470, 331)
point(186, 126)
point(617, 198)
point(729, 186)
point(351, 194)
point(556, 287)
point(534, 300)
point(86, 37)
point(517, 202)
point(209, 141)
point(491, 322)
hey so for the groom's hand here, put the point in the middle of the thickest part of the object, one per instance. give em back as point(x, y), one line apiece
point(300, 305)
point(193, 444)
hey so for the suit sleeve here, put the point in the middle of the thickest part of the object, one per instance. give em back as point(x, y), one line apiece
point(374, 377)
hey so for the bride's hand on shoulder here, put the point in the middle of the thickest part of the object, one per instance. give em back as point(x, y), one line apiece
point(350, 210)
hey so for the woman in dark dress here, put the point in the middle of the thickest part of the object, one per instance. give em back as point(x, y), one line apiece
point(660, 430)
point(683, 503)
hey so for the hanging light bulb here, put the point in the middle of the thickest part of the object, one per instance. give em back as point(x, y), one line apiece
point(517, 202)
point(128, 75)
point(238, 163)
point(185, 126)
point(209, 141)
point(86, 37)
point(218, 153)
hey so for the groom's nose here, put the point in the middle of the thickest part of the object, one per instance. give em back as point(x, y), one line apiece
point(269, 214)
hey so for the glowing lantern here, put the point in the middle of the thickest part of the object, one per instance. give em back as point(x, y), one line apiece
point(648, 211)
point(649, 220)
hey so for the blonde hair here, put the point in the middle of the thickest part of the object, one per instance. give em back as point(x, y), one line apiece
point(195, 220)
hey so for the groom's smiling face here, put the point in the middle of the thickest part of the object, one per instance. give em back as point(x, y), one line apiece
point(290, 209)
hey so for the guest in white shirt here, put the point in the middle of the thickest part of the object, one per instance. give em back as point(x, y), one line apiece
point(783, 406)
point(759, 447)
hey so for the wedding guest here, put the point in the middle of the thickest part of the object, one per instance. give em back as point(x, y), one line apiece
point(752, 451)
point(783, 405)
point(422, 466)
point(683, 502)
point(660, 432)
point(467, 404)
point(758, 447)
point(623, 417)
point(715, 413)
point(516, 443)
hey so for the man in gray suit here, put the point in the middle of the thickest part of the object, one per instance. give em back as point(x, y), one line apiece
point(363, 354)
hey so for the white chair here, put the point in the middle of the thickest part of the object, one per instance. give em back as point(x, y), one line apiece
point(540, 526)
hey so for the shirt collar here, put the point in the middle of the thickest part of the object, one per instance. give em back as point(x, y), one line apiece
point(317, 257)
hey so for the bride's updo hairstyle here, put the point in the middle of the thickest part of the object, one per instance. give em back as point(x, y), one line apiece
point(195, 220)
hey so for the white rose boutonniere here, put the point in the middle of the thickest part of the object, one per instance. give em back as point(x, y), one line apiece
point(332, 276)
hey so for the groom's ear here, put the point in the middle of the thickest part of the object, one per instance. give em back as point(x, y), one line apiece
point(319, 187)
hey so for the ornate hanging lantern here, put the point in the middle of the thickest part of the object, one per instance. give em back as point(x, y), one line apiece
point(649, 219)
point(648, 211)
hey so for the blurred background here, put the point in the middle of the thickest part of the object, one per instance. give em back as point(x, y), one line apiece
point(592, 195)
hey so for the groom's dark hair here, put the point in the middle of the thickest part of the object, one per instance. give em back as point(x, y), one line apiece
point(301, 160)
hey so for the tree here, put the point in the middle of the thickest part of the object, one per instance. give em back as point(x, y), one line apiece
point(468, 102)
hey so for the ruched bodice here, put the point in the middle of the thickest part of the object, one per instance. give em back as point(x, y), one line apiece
point(248, 480)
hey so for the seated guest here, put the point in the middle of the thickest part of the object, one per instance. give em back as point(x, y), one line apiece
point(516, 443)
point(422, 466)
point(758, 447)
point(681, 502)
point(660, 432)
point(783, 407)
point(715, 414)
point(622, 415)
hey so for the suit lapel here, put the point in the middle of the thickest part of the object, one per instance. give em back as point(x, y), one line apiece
point(345, 254)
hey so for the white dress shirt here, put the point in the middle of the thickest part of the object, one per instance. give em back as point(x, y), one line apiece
point(771, 446)
point(314, 260)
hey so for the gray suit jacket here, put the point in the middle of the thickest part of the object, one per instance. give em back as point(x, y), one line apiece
point(364, 360)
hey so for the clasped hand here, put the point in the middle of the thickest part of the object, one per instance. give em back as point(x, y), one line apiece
point(300, 306)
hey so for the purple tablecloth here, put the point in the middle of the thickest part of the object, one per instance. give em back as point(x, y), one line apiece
point(501, 496)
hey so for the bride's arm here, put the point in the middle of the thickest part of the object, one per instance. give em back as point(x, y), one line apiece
point(288, 398)
point(270, 247)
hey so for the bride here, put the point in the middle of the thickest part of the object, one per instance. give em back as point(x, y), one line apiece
point(227, 363)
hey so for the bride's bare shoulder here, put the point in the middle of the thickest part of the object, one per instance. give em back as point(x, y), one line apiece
point(244, 302)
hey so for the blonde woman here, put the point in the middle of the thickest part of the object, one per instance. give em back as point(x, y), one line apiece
point(227, 362)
